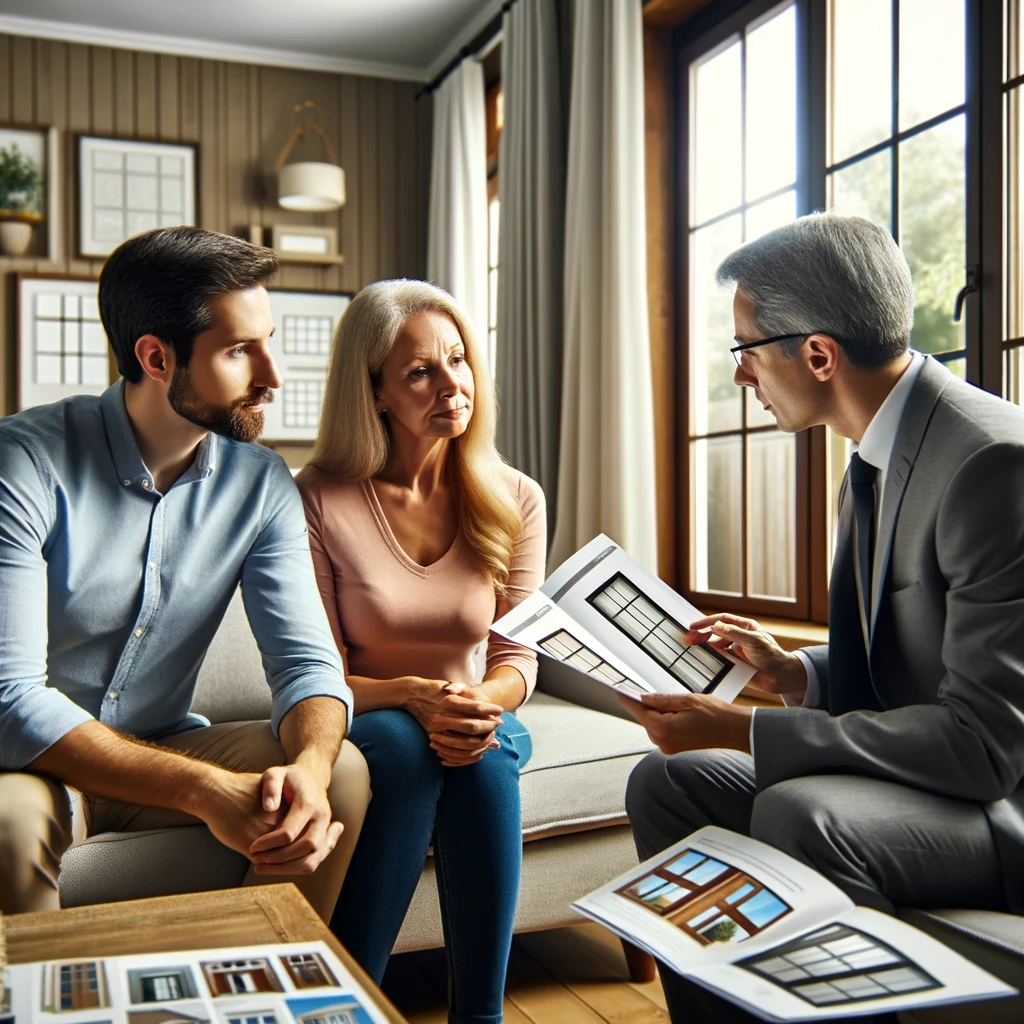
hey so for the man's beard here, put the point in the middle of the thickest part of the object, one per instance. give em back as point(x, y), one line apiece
point(236, 421)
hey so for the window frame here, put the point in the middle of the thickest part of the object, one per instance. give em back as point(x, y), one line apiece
point(983, 310)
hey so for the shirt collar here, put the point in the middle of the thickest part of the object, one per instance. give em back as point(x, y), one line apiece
point(125, 452)
point(877, 443)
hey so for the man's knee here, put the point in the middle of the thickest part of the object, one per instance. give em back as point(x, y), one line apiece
point(35, 830)
point(349, 789)
point(797, 817)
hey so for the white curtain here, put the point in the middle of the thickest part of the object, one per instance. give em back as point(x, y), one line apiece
point(606, 480)
point(531, 190)
point(457, 226)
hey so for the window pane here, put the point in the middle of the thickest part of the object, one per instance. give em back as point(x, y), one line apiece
point(1013, 295)
point(932, 231)
point(957, 366)
point(771, 213)
point(931, 58)
point(714, 399)
point(716, 513)
point(861, 52)
point(771, 105)
point(838, 455)
point(718, 120)
point(864, 189)
point(771, 527)
point(1012, 378)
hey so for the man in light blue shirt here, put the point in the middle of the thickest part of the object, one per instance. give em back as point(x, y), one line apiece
point(126, 524)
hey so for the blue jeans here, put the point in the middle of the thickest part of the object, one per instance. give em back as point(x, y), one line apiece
point(471, 814)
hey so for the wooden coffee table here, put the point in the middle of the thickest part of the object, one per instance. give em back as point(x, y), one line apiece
point(204, 920)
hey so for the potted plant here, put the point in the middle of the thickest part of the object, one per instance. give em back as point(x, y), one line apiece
point(19, 200)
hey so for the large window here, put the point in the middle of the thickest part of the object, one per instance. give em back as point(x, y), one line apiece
point(869, 107)
point(1013, 323)
point(495, 122)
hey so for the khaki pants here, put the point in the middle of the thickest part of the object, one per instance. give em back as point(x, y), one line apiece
point(35, 817)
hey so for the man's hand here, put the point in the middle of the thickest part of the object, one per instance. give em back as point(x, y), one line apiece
point(305, 834)
point(459, 721)
point(691, 721)
point(232, 808)
point(778, 671)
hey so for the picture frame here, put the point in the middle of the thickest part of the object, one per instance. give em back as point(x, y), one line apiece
point(301, 244)
point(126, 186)
point(305, 324)
point(62, 348)
point(41, 143)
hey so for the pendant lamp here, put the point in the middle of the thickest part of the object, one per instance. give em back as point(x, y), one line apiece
point(310, 185)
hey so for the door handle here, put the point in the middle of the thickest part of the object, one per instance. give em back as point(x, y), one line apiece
point(973, 277)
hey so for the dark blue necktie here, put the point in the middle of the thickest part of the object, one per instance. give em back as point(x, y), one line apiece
point(862, 483)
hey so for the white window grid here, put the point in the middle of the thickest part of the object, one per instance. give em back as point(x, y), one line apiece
point(307, 335)
point(69, 345)
point(301, 399)
point(133, 192)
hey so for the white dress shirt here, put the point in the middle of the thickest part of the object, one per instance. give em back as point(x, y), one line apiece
point(875, 449)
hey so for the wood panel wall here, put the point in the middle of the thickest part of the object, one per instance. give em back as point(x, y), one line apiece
point(241, 117)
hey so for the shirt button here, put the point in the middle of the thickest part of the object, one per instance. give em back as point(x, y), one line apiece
point(153, 566)
point(146, 485)
point(113, 695)
point(138, 632)
point(127, 483)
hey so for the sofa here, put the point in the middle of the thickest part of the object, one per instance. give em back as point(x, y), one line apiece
point(575, 831)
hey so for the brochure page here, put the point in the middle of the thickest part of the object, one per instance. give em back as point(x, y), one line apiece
point(297, 983)
point(714, 897)
point(861, 963)
point(642, 620)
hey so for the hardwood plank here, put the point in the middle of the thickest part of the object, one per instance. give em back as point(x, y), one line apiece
point(22, 65)
point(188, 86)
point(424, 147)
point(168, 123)
point(407, 204)
point(124, 93)
point(102, 89)
point(369, 212)
point(387, 178)
point(236, 177)
point(583, 969)
point(5, 77)
point(210, 143)
point(145, 95)
point(79, 117)
point(533, 990)
point(348, 154)
point(606, 944)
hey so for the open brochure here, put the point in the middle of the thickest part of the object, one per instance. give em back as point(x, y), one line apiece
point(602, 614)
point(773, 936)
point(298, 983)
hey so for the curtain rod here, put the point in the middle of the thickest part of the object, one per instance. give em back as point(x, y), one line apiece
point(482, 38)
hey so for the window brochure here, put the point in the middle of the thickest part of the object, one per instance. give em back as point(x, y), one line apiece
point(600, 592)
point(773, 936)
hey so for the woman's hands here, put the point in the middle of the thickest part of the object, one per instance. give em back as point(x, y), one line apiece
point(458, 719)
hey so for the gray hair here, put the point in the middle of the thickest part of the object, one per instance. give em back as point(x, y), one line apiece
point(830, 274)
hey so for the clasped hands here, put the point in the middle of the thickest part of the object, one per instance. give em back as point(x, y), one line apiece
point(459, 720)
point(694, 721)
point(280, 819)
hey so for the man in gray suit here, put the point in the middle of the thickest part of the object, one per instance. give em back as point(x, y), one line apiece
point(896, 770)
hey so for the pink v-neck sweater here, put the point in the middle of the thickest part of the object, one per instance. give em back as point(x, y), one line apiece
point(393, 617)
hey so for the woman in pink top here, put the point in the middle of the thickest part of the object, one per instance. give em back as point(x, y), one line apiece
point(421, 537)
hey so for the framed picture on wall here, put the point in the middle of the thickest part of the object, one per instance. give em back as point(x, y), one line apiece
point(62, 349)
point(127, 186)
point(304, 324)
point(39, 144)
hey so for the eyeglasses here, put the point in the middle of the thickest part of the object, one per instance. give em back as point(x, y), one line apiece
point(738, 350)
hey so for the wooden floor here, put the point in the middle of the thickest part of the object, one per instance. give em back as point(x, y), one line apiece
point(554, 977)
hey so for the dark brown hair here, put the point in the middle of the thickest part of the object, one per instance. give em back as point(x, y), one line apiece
point(161, 283)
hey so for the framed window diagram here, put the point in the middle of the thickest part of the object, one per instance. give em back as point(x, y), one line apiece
point(77, 985)
point(308, 970)
point(567, 649)
point(304, 328)
point(837, 965)
point(160, 984)
point(698, 667)
point(240, 977)
point(709, 900)
point(128, 186)
point(62, 348)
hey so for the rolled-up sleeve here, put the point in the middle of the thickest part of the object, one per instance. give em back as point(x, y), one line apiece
point(33, 716)
point(526, 574)
point(281, 598)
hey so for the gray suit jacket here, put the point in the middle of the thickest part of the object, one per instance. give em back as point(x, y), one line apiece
point(946, 652)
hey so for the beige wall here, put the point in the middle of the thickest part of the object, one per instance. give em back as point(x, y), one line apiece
point(241, 116)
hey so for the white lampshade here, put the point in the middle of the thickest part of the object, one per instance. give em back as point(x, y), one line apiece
point(311, 186)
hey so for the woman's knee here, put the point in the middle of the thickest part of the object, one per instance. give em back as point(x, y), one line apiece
point(394, 746)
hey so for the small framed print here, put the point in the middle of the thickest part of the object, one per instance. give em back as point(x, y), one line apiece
point(304, 327)
point(62, 347)
point(41, 144)
point(129, 186)
point(305, 245)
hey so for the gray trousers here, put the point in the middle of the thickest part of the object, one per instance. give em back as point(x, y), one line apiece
point(884, 845)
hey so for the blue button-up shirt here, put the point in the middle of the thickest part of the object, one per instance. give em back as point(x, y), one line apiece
point(110, 592)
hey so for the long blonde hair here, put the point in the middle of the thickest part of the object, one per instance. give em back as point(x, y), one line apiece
point(353, 440)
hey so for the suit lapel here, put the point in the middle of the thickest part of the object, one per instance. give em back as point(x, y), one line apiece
point(931, 382)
